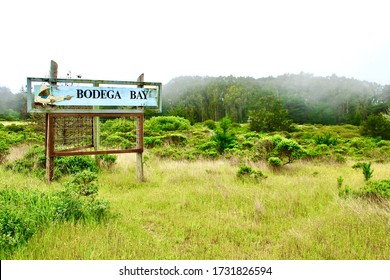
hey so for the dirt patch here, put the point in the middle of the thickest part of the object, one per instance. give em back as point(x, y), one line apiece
point(17, 152)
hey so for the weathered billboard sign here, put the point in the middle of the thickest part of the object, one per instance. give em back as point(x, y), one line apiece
point(47, 95)
point(95, 96)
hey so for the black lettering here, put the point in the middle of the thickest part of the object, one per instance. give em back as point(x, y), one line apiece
point(133, 94)
point(88, 93)
point(110, 94)
point(144, 93)
point(103, 96)
point(80, 93)
point(96, 93)
point(118, 96)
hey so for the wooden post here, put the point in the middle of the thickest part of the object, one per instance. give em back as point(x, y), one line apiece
point(49, 145)
point(140, 139)
point(96, 132)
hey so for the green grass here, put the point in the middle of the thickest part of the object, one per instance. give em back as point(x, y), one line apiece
point(202, 210)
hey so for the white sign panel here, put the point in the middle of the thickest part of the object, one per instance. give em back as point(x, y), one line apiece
point(95, 96)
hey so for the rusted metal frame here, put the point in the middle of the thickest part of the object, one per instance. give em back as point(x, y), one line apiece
point(95, 114)
point(82, 153)
point(75, 149)
point(50, 148)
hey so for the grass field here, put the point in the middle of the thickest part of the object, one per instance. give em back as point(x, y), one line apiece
point(202, 210)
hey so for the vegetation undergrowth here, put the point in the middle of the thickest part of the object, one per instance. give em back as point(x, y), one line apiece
point(24, 211)
point(199, 201)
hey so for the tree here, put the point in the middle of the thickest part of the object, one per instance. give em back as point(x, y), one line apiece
point(269, 115)
point(377, 126)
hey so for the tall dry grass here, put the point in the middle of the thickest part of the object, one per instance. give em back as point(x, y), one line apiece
point(201, 210)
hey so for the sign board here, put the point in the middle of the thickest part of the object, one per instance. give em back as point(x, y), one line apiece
point(46, 95)
point(95, 96)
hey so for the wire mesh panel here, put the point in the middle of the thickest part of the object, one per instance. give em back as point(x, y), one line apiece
point(95, 133)
point(73, 133)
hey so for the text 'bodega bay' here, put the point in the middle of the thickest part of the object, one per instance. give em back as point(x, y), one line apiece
point(104, 96)
point(110, 94)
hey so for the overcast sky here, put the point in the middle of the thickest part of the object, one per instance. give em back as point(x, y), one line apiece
point(118, 40)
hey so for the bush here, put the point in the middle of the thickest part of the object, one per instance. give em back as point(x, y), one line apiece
point(4, 151)
point(153, 141)
point(289, 149)
point(248, 172)
point(377, 189)
point(275, 162)
point(108, 160)
point(223, 139)
point(367, 172)
point(366, 168)
point(74, 164)
point(167, 123)
point(24, 212)
point(326, 139)
point(377, 126)
point(210, 124)
point(118, 125)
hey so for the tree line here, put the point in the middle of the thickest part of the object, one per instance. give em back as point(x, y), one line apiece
point(300, 98)
point(12, 106)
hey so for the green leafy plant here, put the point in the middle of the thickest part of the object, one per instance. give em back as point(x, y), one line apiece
point(325, 139)
point(210, 124)
point(289, 149)
point(377, 189)
point(4, 151)
point(275, 162)
point(340, 181)
point(222, 137)
point(367, 172)
point(167, 123)
point(248, 172)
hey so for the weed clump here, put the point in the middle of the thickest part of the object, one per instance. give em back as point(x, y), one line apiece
point(24, 212)
point(248, 172)
point(275, 162)
point(4, 151)
point(374, 190)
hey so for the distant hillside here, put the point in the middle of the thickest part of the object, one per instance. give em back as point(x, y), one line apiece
point(309, 99)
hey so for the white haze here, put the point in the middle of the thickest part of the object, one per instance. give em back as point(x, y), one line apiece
point(119, 40)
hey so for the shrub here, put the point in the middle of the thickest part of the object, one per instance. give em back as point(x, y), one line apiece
point(377, 189)
point(223, 141)
point(289, 149)
point(222, 137)
point(326, 139)
point(74, 164)
point(108, 160)
point(367, 172)
point(118, 125)
point(168, 123)
point(24, 212)
point(377, 126)
point(4, 151)
point(340, 181)
point(247, 171)
point(152, 141)
point(275, 162)
point(210, 124)
point(347, 191)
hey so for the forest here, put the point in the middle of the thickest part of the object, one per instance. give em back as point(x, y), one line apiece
point(302, 98)
point(307, 98)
